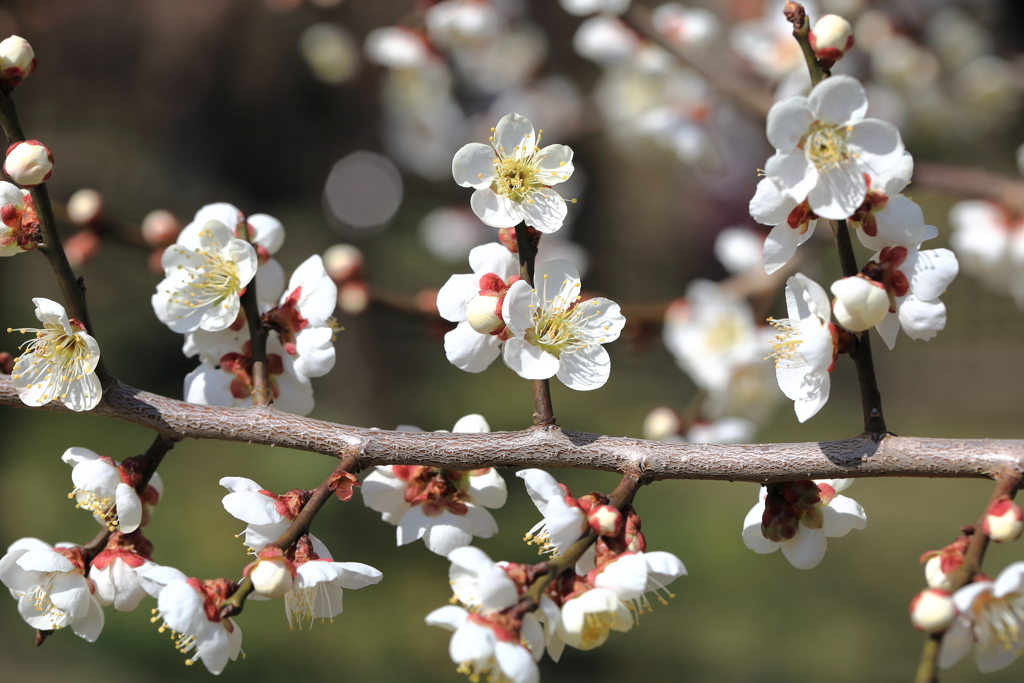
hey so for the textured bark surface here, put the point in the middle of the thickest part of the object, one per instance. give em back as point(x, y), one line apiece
point(554, 447)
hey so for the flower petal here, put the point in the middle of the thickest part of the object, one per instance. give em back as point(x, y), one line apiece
point(544, 209)
point(129, 508)
point(586, 369)
point(788, 122)
point(842, 516)
point(839, 191)
point(495, 210)
point(446, 532)
point(806, 549)
point(839, 100)
point(779, 247)
point(514, 136)
point(469, 350)
point(752, 536)
point(473, 165)
point(529, 361)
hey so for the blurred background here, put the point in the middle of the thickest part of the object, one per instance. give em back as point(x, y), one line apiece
point(340, 118)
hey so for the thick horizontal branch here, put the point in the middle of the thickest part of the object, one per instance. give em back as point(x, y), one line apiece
point(553, 447)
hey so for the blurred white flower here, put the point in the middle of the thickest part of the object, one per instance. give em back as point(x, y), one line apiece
point(990, 616)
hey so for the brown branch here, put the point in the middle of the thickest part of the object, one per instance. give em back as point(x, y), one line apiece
point(555, 447)
point(797, 16)
point(527, 241)
point(299, 526)
point(1006, 486)
point(750, 96)
point(971, 182)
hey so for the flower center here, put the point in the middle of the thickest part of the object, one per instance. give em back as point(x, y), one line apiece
point(725, 332)
point(66, 355)
point(825, 145)
point(104, 507)
point(786, 342)
point(558, 323)
point(43, 603)
point(595, 628)
point(301, 604)
point(997, 621)
point(212, 280)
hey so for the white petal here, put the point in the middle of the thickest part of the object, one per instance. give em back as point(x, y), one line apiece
point(544, 209)
point(779, 246)
point(752, 536)
point(449, 617)
point(838, 192)
point(269, 282)
point(97, 476)
point(473, 165)
point(541, 487)
point(89, 626)
point(585, 369)
point(455, 295)
point(269, 231)
point(878, 147)
point(956, 643)
point(788, 122)
point(252, 507)
point(471, 424)
point(516, 662)
point(888, 329)
point(182, 608)
point(495, 210)
point(554, 164)
point(806, 549)
point(793, 173)
point(469, 350)
point(529, 361)
point(931, 271)
point(414, 525)
point(1010, 580)
point(315, 349)
point(514, 136)
point(129, 508)
point(626, 576)
point(517, 309)
point(447, 532)
point(214, 649)
point(842, 516)
point(76, 454)
point(839, 100)
point(493, 258)
point(662, 569)
point(922, 319)
point(482, 522)
point(45, 560)
point(233, 484)
point(488, 489)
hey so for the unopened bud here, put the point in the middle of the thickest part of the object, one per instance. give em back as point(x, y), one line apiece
point(934, 575)
point(343, 262)
point(28, 163)
point(84, 206)
point(831, 37)
point(17, 61)
point(82, 247)
point(606, 520)
point(507, 236)
point(271, 577)
point(1003, 521)
point(662, 424)
point(482, 314)
point(860, 303)
point(160, 228)
point(6, 363)
point(932, 610)
point(354, 297)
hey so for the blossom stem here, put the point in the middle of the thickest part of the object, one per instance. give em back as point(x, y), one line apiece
point(870, 397)
point(257, 335)
point(300, 525)
point(1006, 487)
point(551, 570)
point(543, 414)
point(71, 287)
point(797, 16)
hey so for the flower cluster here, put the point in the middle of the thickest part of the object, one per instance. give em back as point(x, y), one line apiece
point(215, 258)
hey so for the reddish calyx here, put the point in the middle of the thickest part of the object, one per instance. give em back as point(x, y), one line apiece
point(23, 224)
point(435, 489)
point(886, 270)
point(800, 217)
point(214, 592)
point(286, 320)
point(240, 364)
point(133, 549)
point(791, 503)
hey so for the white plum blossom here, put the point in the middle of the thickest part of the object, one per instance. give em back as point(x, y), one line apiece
point(303, 316)
point(824, 514)
point(113, 571)
point(482, 649)
point(990, 616)
point(618, 593)
point(474, 301)
point(711, 333)
point(190, 608)
point(564, 521)
point(451, 23)
point(478, 582)
point(230, 382)
point(688, 27)
point(825, 146)
point(59, 363)
point(793, 223)
point(318, 586)
point(605, 40)
point(50, 586)
point(805, 347)
point(204, 274)
point(19, 229)
point(914, 280)
point(989, 243)
point(739, 250)
point(106, 489)
point(446, 508)
point(555, 333)
point(512, 176)
point(267, 515)
point(582, 8)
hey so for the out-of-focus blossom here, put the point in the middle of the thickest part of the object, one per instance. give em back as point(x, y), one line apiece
point(1003, 521)
point(582, 8)
point(331, 53)
point(59, 362)
point(687, 27)
point(724, 430)
point(768, 44)
point(739, 250)
point(799, 516)
point(556, 334)
point(989, 244)
point(397, 48)
point(805, 347)
point(456, 22)
point(990, 616)
point(84, 206)
point(449, 233)
point(605, 40)
point(932, 610)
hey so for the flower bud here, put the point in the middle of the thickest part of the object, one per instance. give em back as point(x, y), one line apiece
point(932, 610)
point(82, 247)
point(606, 520)
point(343, 262)
point(935, 576)
point(271, 577)
point(84, 206)
point(662, 424)
point(28, 163)
point(17, 61)
point(353, 297)
point(831, 37)
point(1003, 521)
point(860, 303)
point(482, 314)
point(160, 228)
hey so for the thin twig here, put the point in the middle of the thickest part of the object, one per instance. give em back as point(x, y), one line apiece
point(797, 16)
point(257, 333)
point(527, 242)
point(299, 526)
point(1006, 486)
